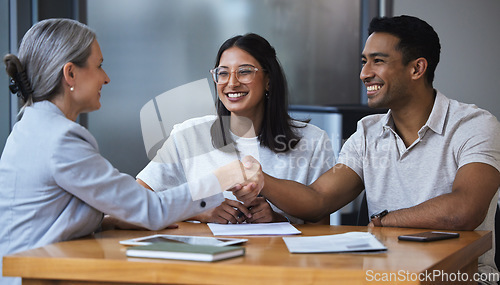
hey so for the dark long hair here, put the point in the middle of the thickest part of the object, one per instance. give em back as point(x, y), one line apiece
point(277, 126)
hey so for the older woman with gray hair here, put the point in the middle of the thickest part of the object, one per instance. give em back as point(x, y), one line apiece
point(54, 184)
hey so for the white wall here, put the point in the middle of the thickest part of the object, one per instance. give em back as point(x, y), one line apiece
point(470, 55)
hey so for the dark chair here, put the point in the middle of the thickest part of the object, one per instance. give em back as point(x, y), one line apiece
point(363, 219)
point(497, 237)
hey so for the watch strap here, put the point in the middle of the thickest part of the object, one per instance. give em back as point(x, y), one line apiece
point(376, 219)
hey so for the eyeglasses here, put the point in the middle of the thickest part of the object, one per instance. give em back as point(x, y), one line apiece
point(244, 74)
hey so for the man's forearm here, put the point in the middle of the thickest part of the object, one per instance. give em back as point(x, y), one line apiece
point(294, 198)
point(330, 192)
point(444, 212)
point(464, 208)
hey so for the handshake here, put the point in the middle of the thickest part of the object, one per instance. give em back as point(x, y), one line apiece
point(244, 178)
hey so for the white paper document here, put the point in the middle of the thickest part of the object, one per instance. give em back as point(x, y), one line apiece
point(253, 229)
point(348, 242)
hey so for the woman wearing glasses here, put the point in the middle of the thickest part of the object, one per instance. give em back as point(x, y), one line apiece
point(252, 120)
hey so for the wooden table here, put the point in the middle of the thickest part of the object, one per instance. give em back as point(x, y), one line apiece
point(100, 259)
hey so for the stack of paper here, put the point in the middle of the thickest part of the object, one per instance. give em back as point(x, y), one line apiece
point(348, 242)
point(253, 229)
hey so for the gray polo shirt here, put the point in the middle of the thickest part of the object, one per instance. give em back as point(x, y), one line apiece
point(396, 176)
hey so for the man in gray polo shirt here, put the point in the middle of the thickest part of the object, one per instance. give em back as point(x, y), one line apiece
point(430, 162)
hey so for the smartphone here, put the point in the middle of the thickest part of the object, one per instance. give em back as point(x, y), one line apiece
point(428, 236)
point(183, 239)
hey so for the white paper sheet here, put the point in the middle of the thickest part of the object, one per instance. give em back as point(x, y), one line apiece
point(348, 242)
point(253, 229)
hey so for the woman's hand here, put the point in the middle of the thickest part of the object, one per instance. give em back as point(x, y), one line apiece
point(229, 211)
point(263, 213)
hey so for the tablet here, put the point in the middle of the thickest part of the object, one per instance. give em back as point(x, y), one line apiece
point(183, 239)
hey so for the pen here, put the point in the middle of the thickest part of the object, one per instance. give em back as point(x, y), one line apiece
point(240, 213)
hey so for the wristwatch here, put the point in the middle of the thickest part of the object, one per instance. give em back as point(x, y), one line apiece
point(377, 218)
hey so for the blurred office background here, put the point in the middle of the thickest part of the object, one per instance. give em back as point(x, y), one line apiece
point(151, 46)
